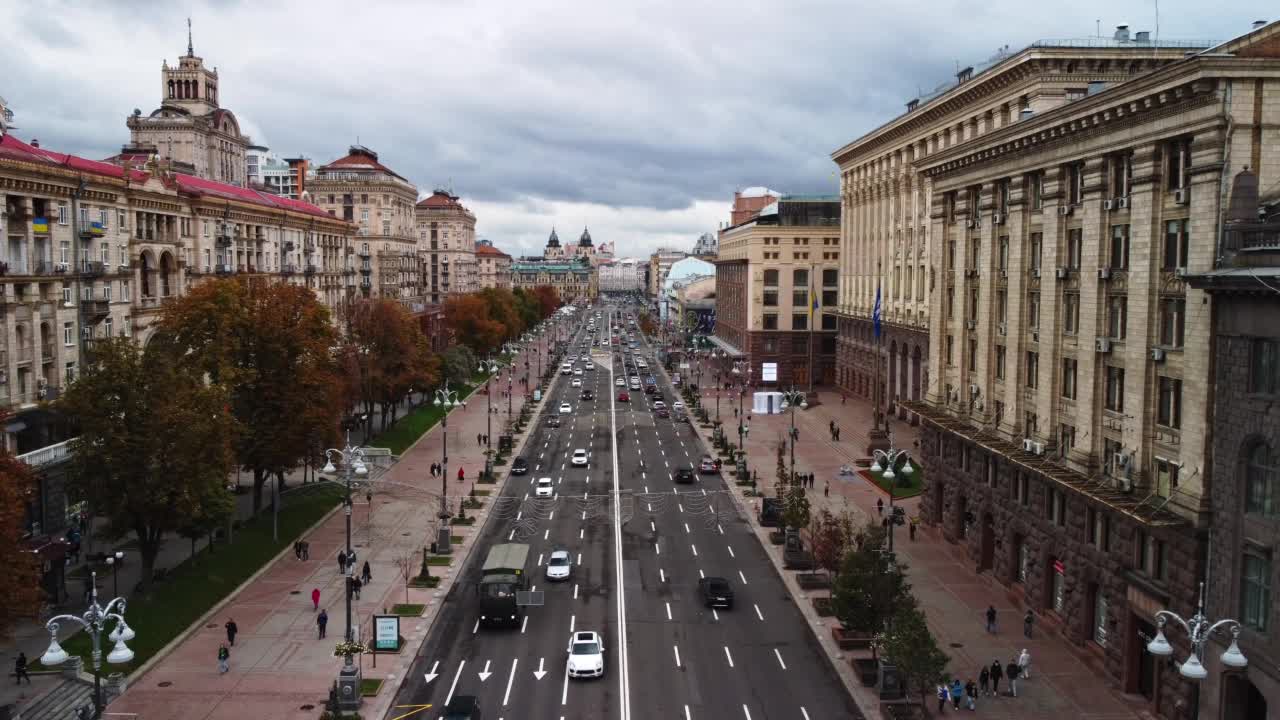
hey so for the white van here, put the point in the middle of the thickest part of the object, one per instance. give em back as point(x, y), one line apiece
point(566, 369)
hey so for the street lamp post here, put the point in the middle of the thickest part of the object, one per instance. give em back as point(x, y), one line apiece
point(890, 460)
point(445, 398)
point(352, 462)
point(1199, 629)
point(114, 561)
point(94, 621)
point(794, 397)
point(490, 366)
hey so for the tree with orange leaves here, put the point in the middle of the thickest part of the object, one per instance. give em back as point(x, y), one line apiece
point(470, 324)
point(386, 355)
point(20, 593)
point(548, 299)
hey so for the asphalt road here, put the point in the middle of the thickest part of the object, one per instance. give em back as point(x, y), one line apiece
point(682, 660)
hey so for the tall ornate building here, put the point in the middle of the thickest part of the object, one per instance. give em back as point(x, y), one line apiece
point(573, 280)
point(585, 249)
point(380, 203)
point(446, 246)
point(189, 128)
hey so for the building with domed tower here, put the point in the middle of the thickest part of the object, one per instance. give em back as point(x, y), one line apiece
point(189, 128)
point(446, 245)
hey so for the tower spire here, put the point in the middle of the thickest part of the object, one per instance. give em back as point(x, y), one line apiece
point(191, 51)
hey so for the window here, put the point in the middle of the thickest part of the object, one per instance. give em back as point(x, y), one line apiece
point(68, 335)
point(1117, 315)
point(1178, 171)
point(1115, 389)
point(1002, 306)
point(951, 254)
point(973, 355)
point(1264, 370)
point(66, 294)
point(106, 327)
point(1000, 352)
point(830, 277)
point(1033, 369)
point(971, 311)
point(800, 297)
point(84, 217)
point(1111, 450)
point(799, 344)
point(1119, 247)
point(1121, 174)
point(1035, 190)
point(124, 290)
point(771, 298)
point(386, 227)
point(829, 323)
point(1022, 490)
point(1075, 241)
point(1255, 588)
point(1037, 239)
point(1166, 476)
point(1175, 245)
point(64, 217)
point(1033, 310)
point(770, 321)
point(364, 215)
point(1071, 313)
point(949, 207)
point(951, 349)
point(1101, 613)
point(1150, 554)
point(1099, 527)
point(1169, 402)
point(106, 291)
point(1172, 312)
point(950, 301)
point(800, 321)
point(1004, 253)
point(1057, 508)
point(1066, 438)
point(999, 411)
point(121, 220)
point(1069, 378)
point(1261, 475)
point(64, 252)
point(1024, 561)
point(1075, 183)
point(920, 284)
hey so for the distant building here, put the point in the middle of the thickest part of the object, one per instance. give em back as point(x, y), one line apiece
point(447, 244)
point(493, 267)
point(706, 247)
point(681, 271)
point(659, 264)
point(574, 280)
point(748, 203)
point(265, 171)
point(584, 249)
point(624, 275)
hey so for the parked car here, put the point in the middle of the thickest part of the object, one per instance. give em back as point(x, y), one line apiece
point(519, 466)
point(707, 465)
point(715, 592)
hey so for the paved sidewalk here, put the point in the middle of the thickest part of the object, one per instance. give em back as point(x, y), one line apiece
point(279, 668)
point(1064, 682)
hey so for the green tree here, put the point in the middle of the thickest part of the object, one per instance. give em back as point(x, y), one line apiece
point(458, 364)
point(865, 593)
point(910, 646)
point(796, 511)
point(527, 308)
point(20, 593)
point(155, 442)
point(830, 537)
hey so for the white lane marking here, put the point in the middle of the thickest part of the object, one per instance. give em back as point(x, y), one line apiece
point(653, 527)
point(687, 716)
point(539, 559)
point(715, 614)
point(700, 573)
point(677, 649)
point(657, 550)
point(646, 489)
point(573, 621)
point(579, 558)
point(512, 536)
point(520, 513)
point(564, 691)
point(804, 712)
point(686, 529)
point(524, 624)
point(475, 628)
point(746, 712)
point(721, 529)
point(779, 656)
point(510, 679)
point(546, 533)
point(681, 506)
point(668, 611)
point(744, 577)
point(624, 677)
point(454, 686)
point(583, 531)
point(695, 550)
point(552, 516)
point(575, 591)
point(728, 656)
point(758, 613)
point(731, 551)
point(484, 674)
point(662, 575)
point(428, 677)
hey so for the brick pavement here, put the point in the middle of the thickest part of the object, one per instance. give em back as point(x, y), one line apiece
point(1064, 682)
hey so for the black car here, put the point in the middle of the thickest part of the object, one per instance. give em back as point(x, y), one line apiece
point(716, 592)
point(553, 421)
point(463, 707)
point(519, 466)
point(588, 395)
point(684, 475)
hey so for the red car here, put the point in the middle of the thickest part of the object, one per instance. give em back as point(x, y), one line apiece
point(624, 397)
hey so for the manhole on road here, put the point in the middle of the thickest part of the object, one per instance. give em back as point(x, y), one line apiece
point(307, 707)
point(957, 645)
point(291, 592)
point(166, 683)
point(212, 625)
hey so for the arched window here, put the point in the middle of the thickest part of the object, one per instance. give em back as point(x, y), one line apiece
point(1261, 474)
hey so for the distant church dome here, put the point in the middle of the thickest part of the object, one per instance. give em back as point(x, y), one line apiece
point(554, 240)
point(585, 240)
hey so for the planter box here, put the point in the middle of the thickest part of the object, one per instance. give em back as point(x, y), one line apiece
point(777, 537)
point(867, 669)
point(850, 640)
point(813, 581)
point(822, 605)
point(905, 710)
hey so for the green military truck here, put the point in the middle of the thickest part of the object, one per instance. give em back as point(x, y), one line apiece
point(502, 581)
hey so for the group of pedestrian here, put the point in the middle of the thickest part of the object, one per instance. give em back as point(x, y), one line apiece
point(966, 695)
point(357, 584)
point(834, 429)
point(482, 439)
point(806, 480)
point(302, 550)
point(1028, 621)
point(436, 469)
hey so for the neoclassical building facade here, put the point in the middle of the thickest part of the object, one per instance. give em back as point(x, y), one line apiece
point(446, 232)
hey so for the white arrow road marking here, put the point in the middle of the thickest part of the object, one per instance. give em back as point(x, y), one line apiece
point(727, 655)
point(454, 686)
point(677, 649)
point(431, 675)
point(524, 624)
point(744, 577)
point(540, 673)
point(485, 674)
point(758, 613)
point(668, 611)
point(510, 679)
point(779, 656)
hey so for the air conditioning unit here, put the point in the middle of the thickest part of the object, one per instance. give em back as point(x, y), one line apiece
point(970, 224)
point(1157, 354)
point(1004, 274)
point(1104, 273)
point(1180, 272)
point(972, 273)
point(1062, 273)
point(1000, 329)
point(1102, 345)
point(1064, 210)
point(1037, 448)
point(1122, 461)
point(124, 266)
point(997, 218)
point(1122, 203)
point(4, 377)
point(973, 390)
point(1181, 196)
point(1027, 444)
point(1035, 272)
point(1035, 336)
point(1108, 204)
point(62, 266)
point(971, 324)
point(1124, 484)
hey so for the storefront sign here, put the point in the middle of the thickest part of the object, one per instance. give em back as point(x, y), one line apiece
point(386, 632)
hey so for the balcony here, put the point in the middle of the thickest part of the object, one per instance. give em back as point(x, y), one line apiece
point(46, 352)
point(97, 309)
point(349, 271)
point(289, 245)
point(364, 254)
point(224, 241)
point(288, 269)
point(223, 269)
point(366, 270)
point(24, 354)
point(311, 269)
point(48, 455)
point(93, 269)
point(92, 230)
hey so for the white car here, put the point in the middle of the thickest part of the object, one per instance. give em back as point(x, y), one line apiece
point(677, 406)
point(544, 488)
point(579, 457)
point(658, 405)
point(586, 654)
point(559, 566)
point(586, 357)
point(576, 382)
point(620, 382)
point(577, 372)
point(566, 369)
point(565, 409)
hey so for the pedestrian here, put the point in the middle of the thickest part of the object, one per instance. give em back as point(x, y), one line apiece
point(997, 672)
point(232, 629)
point(297, 549)
point(957, 692)
point(837, 433)
point(1012, 671)
point(826, 489)
point(366, 574)
point(461, 475)
point(315, 599)
point(306, 550)
point(1027, 621)
point(321, 621)
point(1024, 664)
point(911, 529)
point(356, 586)
point(971, 695)
point(984, 681)
point(880, 506)
point(942, 699)
point(991, 620)
point(224, 659)
point(20, 668)
point(831, 425)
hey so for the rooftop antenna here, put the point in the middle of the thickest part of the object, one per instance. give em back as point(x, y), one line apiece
point(191, 52)
point(1097, 29)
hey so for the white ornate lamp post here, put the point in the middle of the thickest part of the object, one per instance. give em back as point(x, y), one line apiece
point(793, 398)
point(94, 621)
point(1199, 629)
point(884, 462)
point(490, 366)
point(352, 462)
point(447, 399)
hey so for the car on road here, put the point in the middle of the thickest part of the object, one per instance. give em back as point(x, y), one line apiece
point(677, 406)
point(565, 409)
point(586, 654)
point(624, 397)
point(662, 413)
point(559, 566)
point(659, 405)
point(579, 457)
point(553, 421)
point(519, 466)
point(707, 465)
point(585, 358)
point(544, 488)
point(462, 707)
point(588, 395)
point(566, 369)
point(715, 592)
point(577, 372)
point(684, 474)
point(620, 382)
point(576, 382)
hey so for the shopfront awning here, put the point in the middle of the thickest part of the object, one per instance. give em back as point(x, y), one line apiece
point(725, 346)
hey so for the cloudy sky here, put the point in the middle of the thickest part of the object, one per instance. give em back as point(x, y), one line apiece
point(639, 119)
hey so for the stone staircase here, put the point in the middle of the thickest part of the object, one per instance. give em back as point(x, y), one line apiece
point(63, 702)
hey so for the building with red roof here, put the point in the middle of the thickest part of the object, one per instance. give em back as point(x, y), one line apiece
point(493, 267)
point(447, 241)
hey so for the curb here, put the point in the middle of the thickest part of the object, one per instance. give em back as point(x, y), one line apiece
point(428, 431)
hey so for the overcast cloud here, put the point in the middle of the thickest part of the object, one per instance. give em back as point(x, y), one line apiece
point(637, 119)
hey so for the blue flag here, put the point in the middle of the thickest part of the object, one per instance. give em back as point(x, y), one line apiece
point(875, 314)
